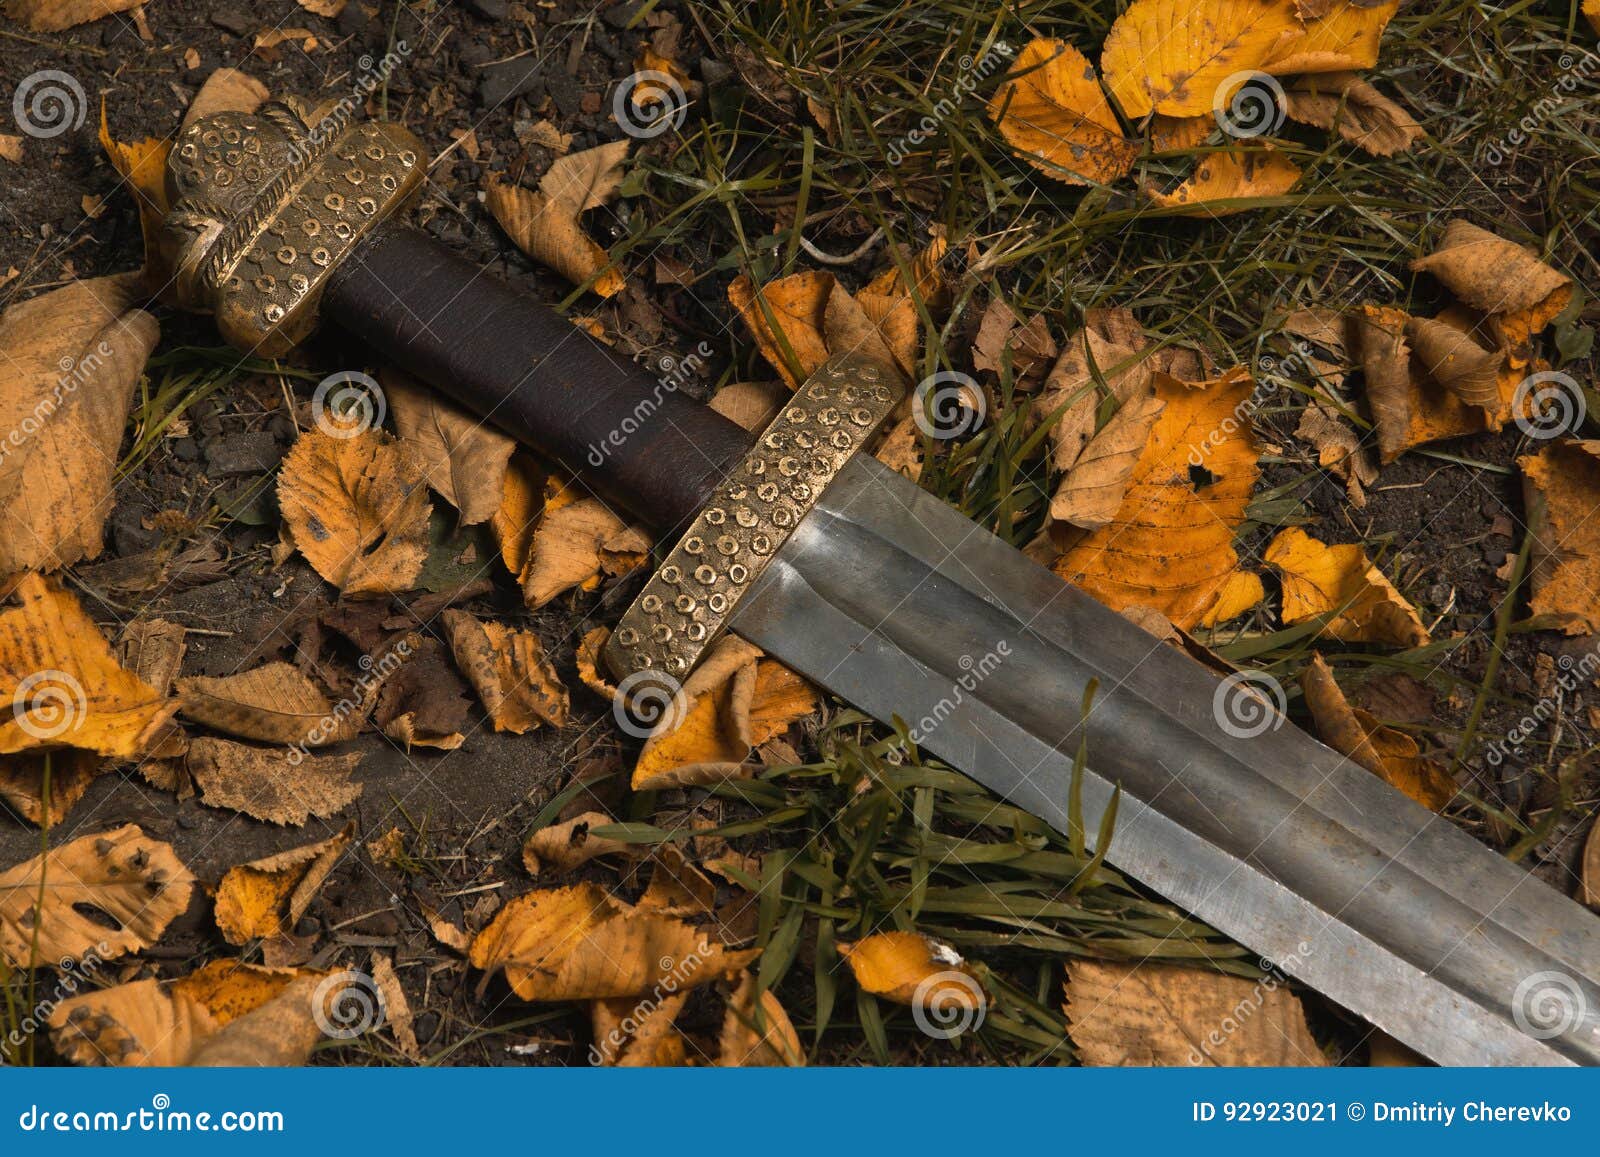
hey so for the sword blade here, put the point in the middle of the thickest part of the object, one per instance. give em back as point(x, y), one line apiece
point(901, 606)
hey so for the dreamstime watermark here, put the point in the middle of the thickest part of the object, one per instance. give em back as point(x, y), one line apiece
point(972, 73)
point(648, 702)
point(675, 372)
point(48, 704)
point(1249, 703)
point(48, 103)
point(1249, 104)
point(348, 404)
point(949, 1002)
point(1548, 1004)
point(1576, 72)
point(674, 975)
point(649, 103)
point(75, 973)
point(347, 1004)
point(1548, 404)
point(370, 76)
point(1571, 674)
point(373, 673)
point(74, 373)
point(1239, 418)
point(1273, 978)
point(948, 404)
point(974, 672)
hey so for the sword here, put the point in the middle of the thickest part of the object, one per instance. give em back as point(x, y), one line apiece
point(879, 592)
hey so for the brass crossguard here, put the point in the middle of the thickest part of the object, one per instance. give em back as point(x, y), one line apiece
point(685, 605)
point(265, 206)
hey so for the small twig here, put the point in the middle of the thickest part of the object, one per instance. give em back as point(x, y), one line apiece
point(850, 258)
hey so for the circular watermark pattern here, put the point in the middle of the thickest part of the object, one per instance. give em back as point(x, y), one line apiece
point(348, 404)
point(347, 1004)
point(1249, 104)
point(948, 404)
point(1548, 1004)
point(1249, 703)
point(649, 103)
point(48, 103)
point(647, 702)
point(48, 704)
point(1548, 404)
point(947, 1004)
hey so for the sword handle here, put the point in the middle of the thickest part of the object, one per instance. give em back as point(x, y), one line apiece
point(634, 440)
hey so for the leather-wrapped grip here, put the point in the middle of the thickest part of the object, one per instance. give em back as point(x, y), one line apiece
point(635, 441)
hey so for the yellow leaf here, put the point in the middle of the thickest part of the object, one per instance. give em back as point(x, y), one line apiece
point(1561, 490)
point(564, 846)
point(463, 457)
point(265, 898)
point(545, 223)
point(1408, 408)
point(1391, 755)
point(1591, 10)
point(135, 886)
point(274, 703)
point(1341, 581)
point(1230, 177)
point(1166, 1014)
point(162, 1023)
point(271, 784)
point(1361, 114)
point(786, 317)
point(1521, 294)
point(567, 547)
point(1170, 546)
point(757, 1031)
point(1171, 56)
point(358, 508)
point(521, 502)
point(60, 684)
point(1451, 358)
point(631, 1033)
point(578, 943)
point(913, 969)
point(57, 15)
point(509, 670)
point(1345, 38)
point(1052, 113)
point(73, 359)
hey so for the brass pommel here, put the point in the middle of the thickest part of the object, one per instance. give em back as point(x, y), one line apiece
point(265, 206)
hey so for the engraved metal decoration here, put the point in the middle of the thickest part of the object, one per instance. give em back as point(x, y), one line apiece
point(265, 206)
point(683, 608)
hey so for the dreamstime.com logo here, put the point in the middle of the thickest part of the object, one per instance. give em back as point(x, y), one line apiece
point(348, 404)
point(48, 103)
point(1548, 404)
point(1249, 104)
point(48, 704)
point(648, 702)
point(347, 1004)
point(950, 1002)
point(649, 103)
point(948, 404)
point(1249, 703)
point(1548, 1004)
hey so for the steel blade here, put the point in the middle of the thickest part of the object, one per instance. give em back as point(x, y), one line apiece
point(901, 606)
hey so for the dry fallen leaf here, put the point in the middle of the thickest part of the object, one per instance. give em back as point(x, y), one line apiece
point(1343, 38)
point(274, 703)
point(1409, 408)
point(789, 319)
point(578, 943)
point(567, 545)
point(1168, 1014)
point(58, 15)
point(73, 357)
point(1052, 113)
point(281, 787)
point(1170, 545)
point(1171, 56)
point(396, 1008)
point(753, 405)
point(162, 1023)
point(913, 969)
point(1091, 492)
point(1391, 755)
point(265, 898)
point(358, 508)
point(1222, 180)
point(516, 682)
point(564, 846)
point(1561, 490)
point(545, 223)
point(1338, 449)
point(1589, 886)
point(630, 1033)
point(757, 1032)
point(281, 1033)
point(95, 898)
point(1341, 582)
point(1521, 294)
point(1361, 114)
point(1591, 11)
point(463, 457)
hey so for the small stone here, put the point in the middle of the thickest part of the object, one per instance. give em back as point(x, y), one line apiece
point(236, 20)
point(620, 16)
point(490, 9)
point(352, 19)
point(714, 72)
point(424, 1026)
point(185, 449)
point(590, 103)
point(128, 534)
point(247, 452)
point(565, 91)
point(508, 79)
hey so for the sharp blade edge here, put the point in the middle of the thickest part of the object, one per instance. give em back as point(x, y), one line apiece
point(891, 600)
